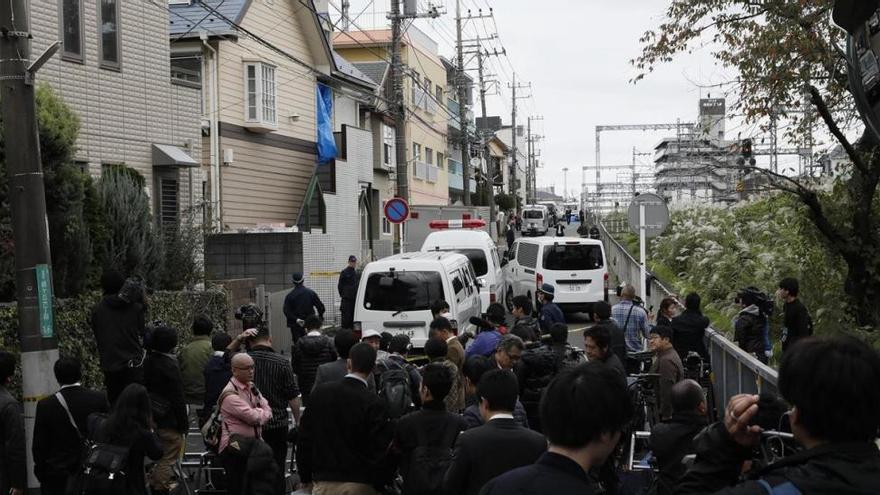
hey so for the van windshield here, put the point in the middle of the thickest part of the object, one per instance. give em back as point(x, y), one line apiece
point(533, 214)
point(477, 257)
point(572, 257)
point(404, 291)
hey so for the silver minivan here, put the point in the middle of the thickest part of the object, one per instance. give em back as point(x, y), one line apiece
point(535, 220)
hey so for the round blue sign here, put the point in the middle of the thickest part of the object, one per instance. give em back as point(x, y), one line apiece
point(396, 210)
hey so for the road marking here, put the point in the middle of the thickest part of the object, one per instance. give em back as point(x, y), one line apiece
point(579, 329)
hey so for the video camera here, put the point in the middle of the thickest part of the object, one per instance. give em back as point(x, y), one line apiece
point(250, 316)
point(752, 295)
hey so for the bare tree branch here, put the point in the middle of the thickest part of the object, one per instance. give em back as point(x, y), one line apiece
point(819, 102)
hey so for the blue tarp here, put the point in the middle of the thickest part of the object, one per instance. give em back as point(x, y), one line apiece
point(326, 143)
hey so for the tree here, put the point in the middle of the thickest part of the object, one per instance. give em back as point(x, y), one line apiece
point(133, 245)
point(67, 192)
point(784, 51)
point(505, 201)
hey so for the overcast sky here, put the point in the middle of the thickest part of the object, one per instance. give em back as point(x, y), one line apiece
point(576, 55)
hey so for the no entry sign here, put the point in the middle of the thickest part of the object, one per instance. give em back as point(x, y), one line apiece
point(396, 210)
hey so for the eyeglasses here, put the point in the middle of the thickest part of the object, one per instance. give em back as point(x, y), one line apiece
point(244, 368)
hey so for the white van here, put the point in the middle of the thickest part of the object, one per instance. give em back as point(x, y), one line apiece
point(535, 220)
point(575, 267)
point(395, 294)
point(483, 253)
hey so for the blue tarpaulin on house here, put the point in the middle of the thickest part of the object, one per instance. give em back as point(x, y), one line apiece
point(326, 143)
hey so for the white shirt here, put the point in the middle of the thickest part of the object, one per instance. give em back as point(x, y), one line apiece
point(501, 416)
point(77, 384)
point(314, 333)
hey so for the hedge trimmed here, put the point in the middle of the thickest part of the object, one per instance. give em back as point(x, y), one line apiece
point(75, 337)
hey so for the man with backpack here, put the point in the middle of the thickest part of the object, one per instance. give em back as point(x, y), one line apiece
point(61, 427)
point(309, 353)
point(424, 439)
point(398, 381)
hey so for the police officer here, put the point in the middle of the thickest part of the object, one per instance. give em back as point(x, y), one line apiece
point(300, 303)
point(550, 312)
point(347, 287)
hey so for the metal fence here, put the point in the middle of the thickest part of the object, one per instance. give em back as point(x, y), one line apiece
point(733, 370)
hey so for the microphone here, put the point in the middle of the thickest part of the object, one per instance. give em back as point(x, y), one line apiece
point(480, 322)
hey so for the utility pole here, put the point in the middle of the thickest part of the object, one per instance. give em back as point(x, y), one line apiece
point(564, 182)
point(531, 168)
point(513, 163)
point(484, 133)
point(462, 111)
point(346, 7)
point(27, 202)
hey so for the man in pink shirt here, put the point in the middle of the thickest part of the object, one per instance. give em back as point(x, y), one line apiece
point(244, 411)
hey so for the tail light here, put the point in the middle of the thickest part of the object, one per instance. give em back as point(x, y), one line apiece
point(454, 324)
point(539, 280)
point(357, 328)
point(492, 297)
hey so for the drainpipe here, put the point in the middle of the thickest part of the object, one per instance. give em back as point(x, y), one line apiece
point(213, 105)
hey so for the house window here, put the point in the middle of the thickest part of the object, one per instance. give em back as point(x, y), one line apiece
point(417, 152)
point(108, 26)
point(386, 153)
point(167, 201)
point(71, 29)
point(260, 93)
point(439, 94)
point(429, 156)
point(386, 226)
point(441, 160)
point(186, 69)
point(415, 87)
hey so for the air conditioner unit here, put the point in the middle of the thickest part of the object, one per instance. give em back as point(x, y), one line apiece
point(228, 156)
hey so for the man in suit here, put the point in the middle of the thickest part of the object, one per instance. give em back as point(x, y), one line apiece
point(345, 433)
point(498, 446)
point(441, 329)
point(584, 412)
point(58, 440)
point(336, 370)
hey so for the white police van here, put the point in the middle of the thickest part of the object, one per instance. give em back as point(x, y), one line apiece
point(575, 266)
point(535, 220)
point(395, 294)
point(478, 246)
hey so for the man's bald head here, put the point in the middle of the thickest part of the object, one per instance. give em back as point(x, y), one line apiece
point(628, 292)
point(243, 368)
point(688, 396)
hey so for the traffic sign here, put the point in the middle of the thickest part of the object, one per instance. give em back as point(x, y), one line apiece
point(396, 210)
point(656, 214)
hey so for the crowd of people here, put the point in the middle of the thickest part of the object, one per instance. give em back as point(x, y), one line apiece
point(515, 410)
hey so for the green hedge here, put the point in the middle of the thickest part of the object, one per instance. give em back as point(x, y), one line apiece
point(75, 337)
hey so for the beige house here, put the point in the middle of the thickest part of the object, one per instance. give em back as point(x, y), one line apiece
point(425, 94)
point(258, 64)
point(112, 70)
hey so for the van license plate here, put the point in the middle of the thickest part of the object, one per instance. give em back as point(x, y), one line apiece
point(575, 288)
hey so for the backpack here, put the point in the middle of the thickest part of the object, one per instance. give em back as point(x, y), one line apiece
point(394, 387)
point(212, 430)
point(104, 470)
point(428, 464)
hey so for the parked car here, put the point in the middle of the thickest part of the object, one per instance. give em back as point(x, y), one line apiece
point(576, 266)
point(480, 250)
point(395, 293)
point(535, 220)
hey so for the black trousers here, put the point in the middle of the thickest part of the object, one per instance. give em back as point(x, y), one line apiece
point(54, 485)
point(235, 468)
point(346, 307)
point(116, 381)
point(277, 439)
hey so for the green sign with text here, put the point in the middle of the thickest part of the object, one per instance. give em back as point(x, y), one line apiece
point(44, 301)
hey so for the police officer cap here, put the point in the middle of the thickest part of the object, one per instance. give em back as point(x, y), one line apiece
point(547, 289)
point(297, 277)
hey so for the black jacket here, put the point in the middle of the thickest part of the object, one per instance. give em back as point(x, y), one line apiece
point(488, 451)
point(119, 332)
point(530, 325)
point(536, 370)
point(141, 444)
point(473, 418)
point(614, 362)
point(260, 469)
point(162, 378)
point(13, 473)
point(796, 321)
point(688, 330)
point(750, 330)
point(348, 283)
point(309, 353)
point(57, 446)
point(618, 339)
point(218, 372)
point(300, 303)
point(430, 427)
point(553, 473)
point(672, 440)
point(344, 435)
point(836, 469)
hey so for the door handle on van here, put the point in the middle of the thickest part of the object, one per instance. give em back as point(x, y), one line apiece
point(530, 272)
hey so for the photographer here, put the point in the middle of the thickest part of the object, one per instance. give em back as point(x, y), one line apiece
point(831, 384)
point(118, 322)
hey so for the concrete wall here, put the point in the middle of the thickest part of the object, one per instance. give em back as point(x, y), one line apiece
point(270, 258)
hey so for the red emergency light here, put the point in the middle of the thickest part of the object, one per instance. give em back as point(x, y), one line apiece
point(457, 224)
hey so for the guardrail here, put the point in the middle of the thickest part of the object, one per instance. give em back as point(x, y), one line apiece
point(733, 370)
